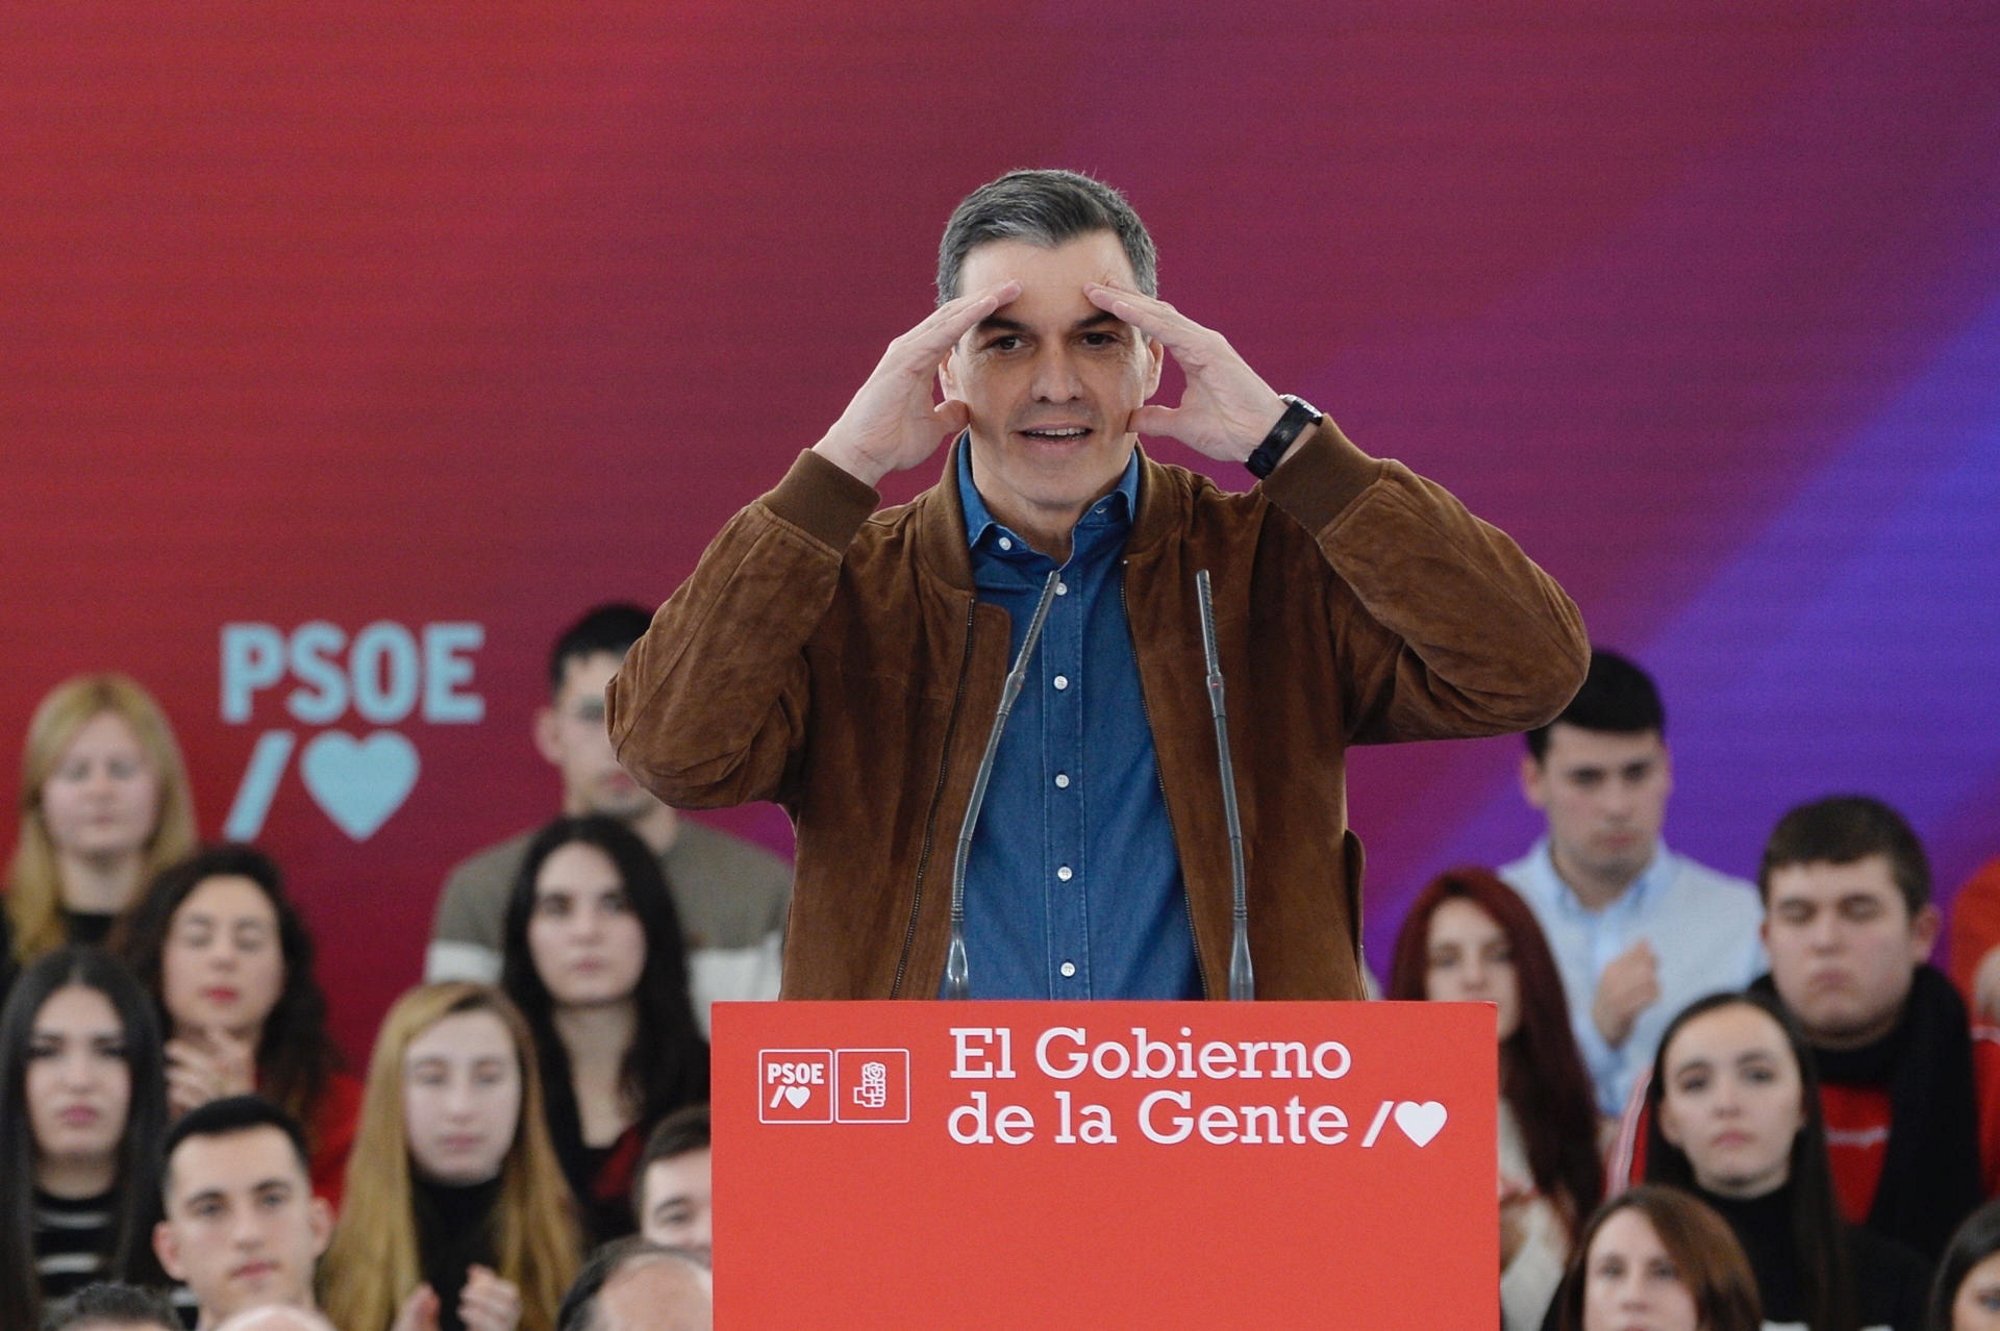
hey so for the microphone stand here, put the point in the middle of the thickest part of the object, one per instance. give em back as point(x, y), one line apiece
point(1242, 982)
point(957, 976)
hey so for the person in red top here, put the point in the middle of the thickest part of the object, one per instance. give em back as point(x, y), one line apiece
point(1911, 1092)
point(230, 963)
point(1972, 947)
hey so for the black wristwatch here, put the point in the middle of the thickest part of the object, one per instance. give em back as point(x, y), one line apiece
point(1299, 413)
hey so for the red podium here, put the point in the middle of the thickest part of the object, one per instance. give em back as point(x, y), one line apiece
point(1101, 1165)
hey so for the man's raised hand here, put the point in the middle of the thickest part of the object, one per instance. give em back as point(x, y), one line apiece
point(892, 424)
point(1226, 410)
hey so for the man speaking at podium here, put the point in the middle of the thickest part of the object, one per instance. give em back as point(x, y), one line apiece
point(849, 663)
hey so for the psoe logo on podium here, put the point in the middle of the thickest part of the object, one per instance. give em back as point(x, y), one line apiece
point(796, 1085)
point(871, 1085)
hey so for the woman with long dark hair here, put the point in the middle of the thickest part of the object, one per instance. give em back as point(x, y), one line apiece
point(595, 960)
point(82, 1112)
point(229, 963)
point(1966, 1296)
point(1469, 938)
point(1733, 1117)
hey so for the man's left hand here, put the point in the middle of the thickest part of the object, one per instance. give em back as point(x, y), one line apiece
point(1227, 409)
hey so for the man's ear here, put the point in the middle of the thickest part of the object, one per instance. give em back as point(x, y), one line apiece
point(1534, 782)
point(320, 1217)
point(1156, 352)
point(548, 735)
point(1924, 926)
point(947, 379)
point(166, 1247)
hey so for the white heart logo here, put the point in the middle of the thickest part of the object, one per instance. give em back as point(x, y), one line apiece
point(359, 782)
point(1420, 1122)
point(797, 1095)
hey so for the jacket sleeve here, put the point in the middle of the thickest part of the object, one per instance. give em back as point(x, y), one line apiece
point(1443, 628)
point(709, 708)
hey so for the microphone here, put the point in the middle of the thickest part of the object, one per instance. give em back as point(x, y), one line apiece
point(957, 976)
point(1242, 983)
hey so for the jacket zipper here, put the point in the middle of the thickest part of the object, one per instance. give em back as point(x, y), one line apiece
point(937, 794)
point(1187, 902)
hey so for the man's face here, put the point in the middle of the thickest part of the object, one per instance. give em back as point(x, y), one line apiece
point(1050, 379)
point(570, 733)
point(1844, 947)
point(676, 1194)
point(1605, 795)
point(243, 1229)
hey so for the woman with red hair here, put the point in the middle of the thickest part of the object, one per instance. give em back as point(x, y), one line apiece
point(1469, 938)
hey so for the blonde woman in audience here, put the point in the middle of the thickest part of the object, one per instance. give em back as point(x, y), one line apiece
point(82, 1112)
point(456, 1214)
point(104, 806)
point(229, 961)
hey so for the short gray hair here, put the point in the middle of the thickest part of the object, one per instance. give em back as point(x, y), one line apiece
point(1045, 208)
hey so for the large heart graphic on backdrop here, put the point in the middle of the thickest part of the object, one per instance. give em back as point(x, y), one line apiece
point(1420, 1122)
point(359, 782)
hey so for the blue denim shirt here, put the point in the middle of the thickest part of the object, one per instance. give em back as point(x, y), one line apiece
point(1073, 886)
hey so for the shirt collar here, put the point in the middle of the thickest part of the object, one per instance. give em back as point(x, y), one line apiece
point(1115, 508)
point(1652, 880)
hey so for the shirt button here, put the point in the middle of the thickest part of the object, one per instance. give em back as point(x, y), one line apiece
point(1006, 544)
point(1068, 969)
point(1062, 682)
point(1064, 873)
point(1062, 589)
point(1062, 780)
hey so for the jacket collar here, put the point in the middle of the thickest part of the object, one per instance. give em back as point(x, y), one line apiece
point(939, 517)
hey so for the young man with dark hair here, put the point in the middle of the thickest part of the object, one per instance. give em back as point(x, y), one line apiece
point(731, 896)
point(242, 1229)
point(848, 663)
point(1912, 1094)
point(1637, 931)
point(671, 1187)
point(109, 1306)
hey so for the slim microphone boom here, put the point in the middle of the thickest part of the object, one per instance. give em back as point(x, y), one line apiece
point(1242, 982)
point(957, 976)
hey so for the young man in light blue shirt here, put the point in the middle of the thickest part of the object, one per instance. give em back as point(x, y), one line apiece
point(1638, 932)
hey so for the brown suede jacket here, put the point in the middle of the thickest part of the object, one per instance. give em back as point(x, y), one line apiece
point(836, 659)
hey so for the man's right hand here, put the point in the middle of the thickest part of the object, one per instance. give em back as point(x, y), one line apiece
point(892, 425)
point(1629, 985)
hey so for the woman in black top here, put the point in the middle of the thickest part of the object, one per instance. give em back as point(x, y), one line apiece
point(82, 1112)
point(1734, 1117)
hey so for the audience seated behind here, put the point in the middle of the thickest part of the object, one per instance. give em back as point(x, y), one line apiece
point(1637, 931)
point(456, 1214)
point(1912, 1095)
point(107, 1305)
point(229, 962)
point(1966, 1296)
point(672, 1186)
point(83, 1113)
point(1469, 938)
point(635, 1284)
point(242, 1228)
point(1734, 1119)
point(104, 805)
point(1655, 1257)
point(731, 896)
point(595, 963)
